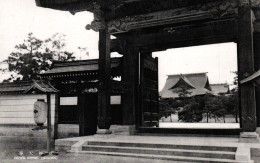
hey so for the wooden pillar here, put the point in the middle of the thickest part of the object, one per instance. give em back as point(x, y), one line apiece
point(104, 77)
point(49, 123)
point(57, 102)
point(130, 76)
point(257, 67)
point(81, 108)
point(246, 66)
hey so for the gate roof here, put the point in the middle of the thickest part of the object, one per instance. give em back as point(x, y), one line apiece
point(79, 68)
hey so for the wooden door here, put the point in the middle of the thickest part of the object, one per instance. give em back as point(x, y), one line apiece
point(149, 105)
point(88, 104)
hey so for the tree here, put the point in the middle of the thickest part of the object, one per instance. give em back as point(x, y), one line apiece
point(206, 108)
point(191, 112)
point(183, 91)
point(167, 107)
point(232, 104)
point(34, 55)
point(56, 47)
point(216, 107)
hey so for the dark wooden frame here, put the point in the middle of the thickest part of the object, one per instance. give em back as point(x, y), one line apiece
point(136, 24)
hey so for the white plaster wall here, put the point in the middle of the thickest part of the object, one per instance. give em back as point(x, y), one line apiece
point(18, 109)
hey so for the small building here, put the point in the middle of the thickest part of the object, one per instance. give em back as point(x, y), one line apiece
point(16, 111)
point(196, 83)
point(73, 105)
point(220, 89)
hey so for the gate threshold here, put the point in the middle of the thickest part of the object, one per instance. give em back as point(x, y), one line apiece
point(189, 131)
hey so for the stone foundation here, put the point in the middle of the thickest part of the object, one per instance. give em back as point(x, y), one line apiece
point(22, 136)
point(123, 129)
point(68, 130)
point(258, 130)
point(249, 137)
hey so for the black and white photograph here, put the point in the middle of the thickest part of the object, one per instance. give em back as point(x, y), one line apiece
point(130, 81)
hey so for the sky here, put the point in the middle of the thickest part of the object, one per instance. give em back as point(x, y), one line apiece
point(19, 17)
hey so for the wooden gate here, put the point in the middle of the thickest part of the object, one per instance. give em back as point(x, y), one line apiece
point(88, 104)
point(149, 105)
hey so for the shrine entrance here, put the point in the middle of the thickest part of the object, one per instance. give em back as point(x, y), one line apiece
point(197, 87)
point(146, 26)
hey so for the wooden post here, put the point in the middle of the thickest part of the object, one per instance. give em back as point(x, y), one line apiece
point(104, 77)
point(130, 76)
point(57, 102)
point(49, 123)
point(246, 66)
point(257, 67)
point(81, 108)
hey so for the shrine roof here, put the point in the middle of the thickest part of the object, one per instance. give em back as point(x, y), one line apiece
point(197, 82)
point(78, 66)
point(219, 88)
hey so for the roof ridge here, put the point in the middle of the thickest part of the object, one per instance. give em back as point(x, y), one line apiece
point(199, 73)
point(219, 84)
point(16, 84)
point(81, 62)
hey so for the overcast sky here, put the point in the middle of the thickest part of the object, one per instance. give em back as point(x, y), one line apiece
point(19, 17)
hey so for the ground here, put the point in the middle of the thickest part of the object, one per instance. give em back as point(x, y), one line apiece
point(9, 151)
point(70, 157)
point(11, 148)
point(174, 118)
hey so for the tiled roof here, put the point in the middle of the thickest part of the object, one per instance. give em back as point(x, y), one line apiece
point(219, 88)
point(198, 82)
point(42, 86)
point(78, 66)
point(15, 87)
point(26, 87)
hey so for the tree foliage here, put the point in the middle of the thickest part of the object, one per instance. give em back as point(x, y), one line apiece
point(193, 108)
point(35, 55)
point(183, 91)
point(167, 107)
point(191, 112)
point(215, 106)
point(232, 104)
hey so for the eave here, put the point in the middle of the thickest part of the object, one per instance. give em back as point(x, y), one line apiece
point(253, 78)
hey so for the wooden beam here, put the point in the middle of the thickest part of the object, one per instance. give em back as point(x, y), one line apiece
point(205, 33)
point(117, 46)
point(188, 43)
point(201, 11)
point(246, 67)
point(118, 87)
point(104, 76)
point(251, 78)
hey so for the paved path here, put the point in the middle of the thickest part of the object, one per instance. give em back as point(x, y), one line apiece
point(7, 153)
point(81, 158)
point(181, 140)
